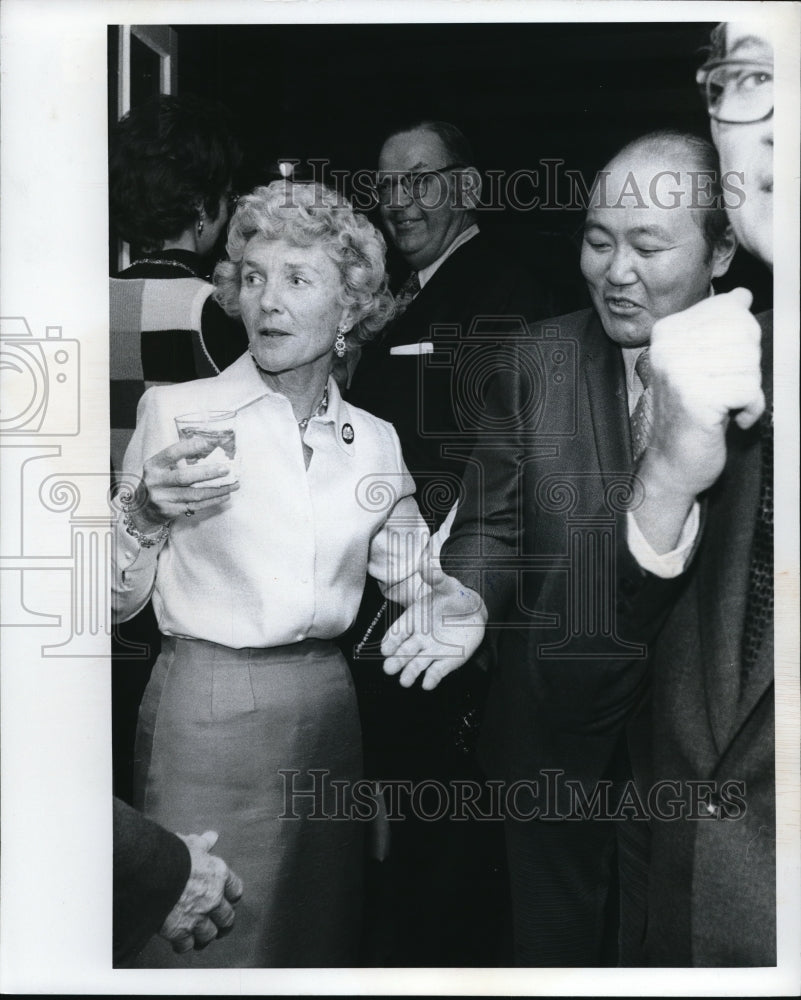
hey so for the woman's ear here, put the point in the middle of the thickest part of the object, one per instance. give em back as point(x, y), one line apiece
point(349, 319)
point(724, 252)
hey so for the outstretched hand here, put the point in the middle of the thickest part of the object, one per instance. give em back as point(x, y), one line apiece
point(436, 634)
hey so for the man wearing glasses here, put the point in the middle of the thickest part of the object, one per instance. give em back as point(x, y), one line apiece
point(428, 192)
point(710, 892)
point(446, 877)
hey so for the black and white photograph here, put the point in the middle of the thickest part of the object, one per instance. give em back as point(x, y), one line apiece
point(400, 498)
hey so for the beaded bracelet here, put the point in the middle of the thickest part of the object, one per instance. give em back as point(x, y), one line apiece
point(145, 540)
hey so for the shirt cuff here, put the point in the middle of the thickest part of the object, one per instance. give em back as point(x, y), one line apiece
point(130, 555)
point(670, 564)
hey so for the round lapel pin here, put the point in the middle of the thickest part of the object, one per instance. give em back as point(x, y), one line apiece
point(347, 434)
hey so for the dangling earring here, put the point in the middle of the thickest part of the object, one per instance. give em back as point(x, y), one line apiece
point(199, 227)
point(340, 347)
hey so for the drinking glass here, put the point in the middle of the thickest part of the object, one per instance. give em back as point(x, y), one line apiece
point(217, 428)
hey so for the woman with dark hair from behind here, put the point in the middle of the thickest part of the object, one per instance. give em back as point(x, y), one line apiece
point(171, 168)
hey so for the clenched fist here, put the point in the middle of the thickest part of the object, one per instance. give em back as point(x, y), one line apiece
point(705, 370)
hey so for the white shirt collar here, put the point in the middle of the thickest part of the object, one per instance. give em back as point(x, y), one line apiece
point(425, 274)
point(241, 385)
point(634, 386)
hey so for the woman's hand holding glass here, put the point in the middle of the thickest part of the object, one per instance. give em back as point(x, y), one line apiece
point(438, 632)
point(168, 490)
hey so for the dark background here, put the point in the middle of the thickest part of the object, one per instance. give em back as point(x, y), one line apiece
point(521, 93)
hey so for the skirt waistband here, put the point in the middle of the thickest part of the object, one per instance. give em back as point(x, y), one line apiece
point(294, 651)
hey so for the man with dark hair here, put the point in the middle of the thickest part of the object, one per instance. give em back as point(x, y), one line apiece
point(534, 531)
point(446, 888)
point(709, 895)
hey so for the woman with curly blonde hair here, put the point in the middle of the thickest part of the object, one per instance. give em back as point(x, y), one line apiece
point(249, 724)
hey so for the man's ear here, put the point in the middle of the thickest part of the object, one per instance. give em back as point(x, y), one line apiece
point(723, 253)
point(469, 188)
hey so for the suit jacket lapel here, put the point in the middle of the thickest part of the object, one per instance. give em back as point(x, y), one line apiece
point(605, 379)
point(723, 576)
point(452, 277)
point(761, 674)
point(724, 557)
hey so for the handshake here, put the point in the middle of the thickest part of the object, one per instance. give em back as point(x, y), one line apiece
point(206, 907)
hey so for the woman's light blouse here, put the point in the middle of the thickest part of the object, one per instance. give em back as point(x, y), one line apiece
point(284, 558)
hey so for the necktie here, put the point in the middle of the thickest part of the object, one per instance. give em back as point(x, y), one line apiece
point(642, 417)
point(406, 293)
point(759, 608)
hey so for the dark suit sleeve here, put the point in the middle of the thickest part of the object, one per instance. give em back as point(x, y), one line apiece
point(486, 534)
point(151, 868)
point(592, 691)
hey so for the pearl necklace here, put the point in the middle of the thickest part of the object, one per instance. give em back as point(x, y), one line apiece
point(303, 424)
point(167, 263)
point(321, 407)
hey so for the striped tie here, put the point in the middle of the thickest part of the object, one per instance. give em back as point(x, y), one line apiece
point(406, 293)
point(759, 609)
point(642, 417)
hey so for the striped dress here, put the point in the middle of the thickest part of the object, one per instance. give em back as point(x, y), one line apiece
point(164, 328)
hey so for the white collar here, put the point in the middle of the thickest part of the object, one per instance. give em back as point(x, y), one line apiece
point(630, 354)
point(240, 385)
point(425, 274)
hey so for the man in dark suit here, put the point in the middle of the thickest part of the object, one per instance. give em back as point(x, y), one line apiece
point(428, 191)
point(167, 883)
point(463, 294)
point(536, 527)
point(709, 895)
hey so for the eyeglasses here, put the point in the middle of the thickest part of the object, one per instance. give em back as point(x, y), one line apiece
point(737, 91)
point(418, 185)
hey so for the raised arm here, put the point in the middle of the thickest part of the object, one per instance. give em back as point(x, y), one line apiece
point(706, 370)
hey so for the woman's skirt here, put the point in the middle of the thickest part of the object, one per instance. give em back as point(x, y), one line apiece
point(250, 743)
